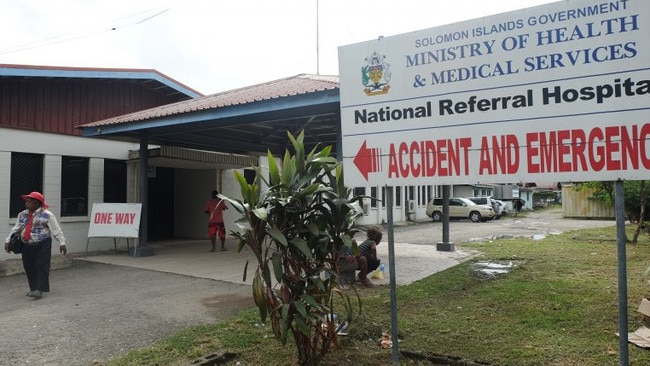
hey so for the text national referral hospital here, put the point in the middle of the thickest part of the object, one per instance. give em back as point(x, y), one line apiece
point(627, 88)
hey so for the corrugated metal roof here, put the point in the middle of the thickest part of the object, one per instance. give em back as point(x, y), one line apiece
point(157, 79)
point(290, 86)
point(250, 120)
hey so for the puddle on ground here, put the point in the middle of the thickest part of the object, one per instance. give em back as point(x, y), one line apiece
point(491, 269)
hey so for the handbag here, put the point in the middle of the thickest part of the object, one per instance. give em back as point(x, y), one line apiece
point(16, 243)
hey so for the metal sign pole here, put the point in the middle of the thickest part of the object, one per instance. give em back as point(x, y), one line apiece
point(445, 244)
point(391, 269)
point(619, 205)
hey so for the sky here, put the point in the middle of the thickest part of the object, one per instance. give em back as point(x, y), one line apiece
point(217, 45)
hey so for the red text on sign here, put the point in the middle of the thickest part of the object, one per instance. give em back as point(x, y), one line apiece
point(499, 155)
point(610, 148)
point(121, 218)
point(103, 218)
point(443, 158)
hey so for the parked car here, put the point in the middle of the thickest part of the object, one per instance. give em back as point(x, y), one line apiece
point(503, 208)
point(509, 206)
point(497, 206)
point(460, 208)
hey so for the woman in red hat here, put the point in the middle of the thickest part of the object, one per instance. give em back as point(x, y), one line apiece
point(37, 226)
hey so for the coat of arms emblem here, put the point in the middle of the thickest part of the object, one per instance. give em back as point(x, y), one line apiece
point(375, 75)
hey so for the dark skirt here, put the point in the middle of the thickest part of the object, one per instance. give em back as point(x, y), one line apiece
point(36, 262)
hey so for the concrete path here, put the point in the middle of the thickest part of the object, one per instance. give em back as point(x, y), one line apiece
point(416, 254)
point(192, 258)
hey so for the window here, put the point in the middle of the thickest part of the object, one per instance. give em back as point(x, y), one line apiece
point(74, 186)
point(249, 175)
point(482, 192)
point(398, 196)
point(373, 194)
point(26, 176)
point(425, 194)
point(361, 191)
point(114, 181)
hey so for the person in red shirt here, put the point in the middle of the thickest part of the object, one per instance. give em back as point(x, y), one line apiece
point(215, 207)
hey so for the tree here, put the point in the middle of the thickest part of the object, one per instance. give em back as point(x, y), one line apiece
point(296, 229)
point(642, 203)
point(635, 194)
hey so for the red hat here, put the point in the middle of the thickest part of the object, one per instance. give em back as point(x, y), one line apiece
point(37, 196)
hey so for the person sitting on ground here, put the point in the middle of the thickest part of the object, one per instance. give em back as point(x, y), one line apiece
point(368, 254)
point(348, 263)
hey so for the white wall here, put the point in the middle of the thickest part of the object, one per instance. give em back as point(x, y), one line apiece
point(54, 146)
point(377, 215)
point(57, 144)
point(463, 191)
point(5, 181)
point(528, 197)
point(230, 188)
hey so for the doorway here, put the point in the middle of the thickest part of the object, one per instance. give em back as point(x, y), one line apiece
point(160, 200)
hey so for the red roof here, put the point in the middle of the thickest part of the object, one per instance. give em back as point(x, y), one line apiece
point(294, 85)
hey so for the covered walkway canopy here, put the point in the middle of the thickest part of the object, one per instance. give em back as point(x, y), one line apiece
point(250, 120)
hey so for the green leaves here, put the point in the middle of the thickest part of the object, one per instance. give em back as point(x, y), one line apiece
point(259, 296)
point(296, 227)
point(277, 235)
point(301, 244)
point(249, 192)
point(274, 172)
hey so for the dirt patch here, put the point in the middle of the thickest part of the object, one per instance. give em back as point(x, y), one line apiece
point(436, 359)
point(224, 306)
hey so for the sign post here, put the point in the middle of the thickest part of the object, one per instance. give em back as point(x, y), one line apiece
point(621, 242)
point(558, 92)
point(391, 269)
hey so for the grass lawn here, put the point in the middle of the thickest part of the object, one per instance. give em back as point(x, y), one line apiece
point(558, 307)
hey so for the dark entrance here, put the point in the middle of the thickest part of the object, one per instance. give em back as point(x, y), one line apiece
point(161, 204)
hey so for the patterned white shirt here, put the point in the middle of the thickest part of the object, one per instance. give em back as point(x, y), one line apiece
point(44, 225)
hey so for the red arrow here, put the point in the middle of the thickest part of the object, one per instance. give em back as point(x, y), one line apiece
point(367, 160)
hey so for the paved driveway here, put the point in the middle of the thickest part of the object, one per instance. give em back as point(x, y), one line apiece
point(97, 311)
point(533, 223)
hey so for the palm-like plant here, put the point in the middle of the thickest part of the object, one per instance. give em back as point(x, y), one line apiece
point(296, 229)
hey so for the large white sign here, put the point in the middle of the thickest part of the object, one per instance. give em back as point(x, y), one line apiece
point(116, 220)
point(558, 92)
